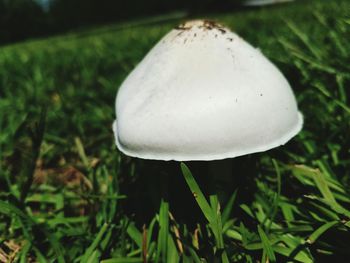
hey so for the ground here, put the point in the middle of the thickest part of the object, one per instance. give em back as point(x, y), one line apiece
point(68, 195)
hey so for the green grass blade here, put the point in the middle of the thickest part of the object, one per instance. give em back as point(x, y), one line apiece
point(95, 256)
point(81, 152)
point(24, 252)
point(134, 234)
point(196, 191)
point(150, 231)
point(173, 255)
point(163, 231)
point(215, 224)
point(8, 209)
point(194, 255)
point(95, 243)
point(266, 245)
point(122, 260)
point(322, 185)
point(39, 256)
point(56, 245)
point(287, 252)
point(321, 230)
point(304, 38)
point(228, 208)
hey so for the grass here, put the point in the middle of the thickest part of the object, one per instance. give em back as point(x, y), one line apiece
point(67, 195)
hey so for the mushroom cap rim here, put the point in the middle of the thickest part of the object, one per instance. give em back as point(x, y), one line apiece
point(211, 157)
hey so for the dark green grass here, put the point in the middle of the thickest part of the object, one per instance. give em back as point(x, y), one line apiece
point(66, 192)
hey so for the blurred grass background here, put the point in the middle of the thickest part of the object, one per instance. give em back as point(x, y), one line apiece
point(23, 19)
point(67, 195)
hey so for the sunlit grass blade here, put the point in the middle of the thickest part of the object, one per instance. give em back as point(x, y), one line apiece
point(163, 235)
point(194, 255)
point(134, 234)
point(95, 243)
point(321, 230)
point(173, 255)
point(266, 244)
point(288, 252)
point(211, 212)
point(197, 193)
point(81, 151)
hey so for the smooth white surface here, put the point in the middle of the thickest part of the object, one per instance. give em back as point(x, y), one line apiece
point(203, 93)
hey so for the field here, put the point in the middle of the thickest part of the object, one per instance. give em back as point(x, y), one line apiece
point(68, 195)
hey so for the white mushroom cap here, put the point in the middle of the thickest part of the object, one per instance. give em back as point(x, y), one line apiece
point(203, 93)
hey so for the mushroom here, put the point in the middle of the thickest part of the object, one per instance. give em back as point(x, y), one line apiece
point(203, 93)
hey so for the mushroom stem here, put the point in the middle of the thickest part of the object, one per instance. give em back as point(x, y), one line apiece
point(221, 178)
point(225, 176)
